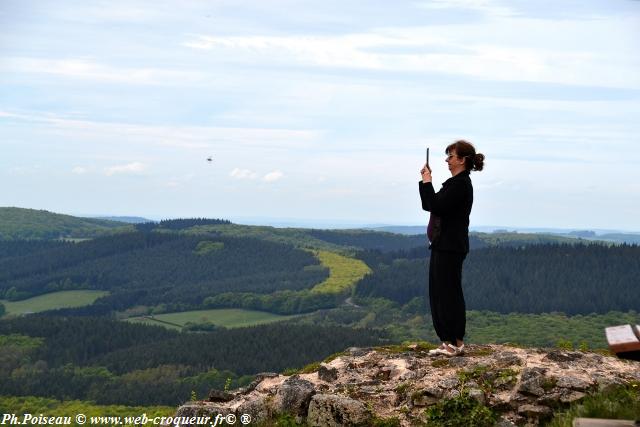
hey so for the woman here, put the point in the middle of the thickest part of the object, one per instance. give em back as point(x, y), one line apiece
point(449, 236)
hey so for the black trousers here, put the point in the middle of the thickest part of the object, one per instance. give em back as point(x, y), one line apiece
point(448, 310)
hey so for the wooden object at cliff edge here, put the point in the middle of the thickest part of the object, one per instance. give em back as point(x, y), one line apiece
point(599, 422)
point(624, 341)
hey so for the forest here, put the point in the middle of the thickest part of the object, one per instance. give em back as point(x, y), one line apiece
point(108, 361)
point(574, 279)
point(520, 289)
point(153, 268)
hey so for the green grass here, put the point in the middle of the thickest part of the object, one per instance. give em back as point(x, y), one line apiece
point(53, 300)
point(51, 407)
point(344, 272)
point(227, 317)
point(19, 223)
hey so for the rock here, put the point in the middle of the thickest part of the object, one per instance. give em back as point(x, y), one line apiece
point(357, 351)
point(336, 411)
point(449, 383)
point(572, 396)
point(258, 379)
point(478, 395)
point(458, 362)
point(506, 359)
point(219, 396)
point(384, 374)
point(199, 409)
point(530, 373)
point(328, 374)
point(261, 408)
point(563, 356)
point(535, 411)
point(531, 382)
point(427, 396)
point(607, 383)
point(531, 387)
point(573, 383)
point(293, 396)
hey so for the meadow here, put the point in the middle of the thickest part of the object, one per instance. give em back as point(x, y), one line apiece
point(227, 317)
point(52, 301)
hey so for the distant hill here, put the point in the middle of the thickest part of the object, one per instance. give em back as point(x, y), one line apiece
point(20, 223)
point(127, 219)
point(505, 237)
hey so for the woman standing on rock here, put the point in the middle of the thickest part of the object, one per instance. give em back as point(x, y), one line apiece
point(448, 233)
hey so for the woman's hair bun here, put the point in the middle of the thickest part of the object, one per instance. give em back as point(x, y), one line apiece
point(478, 162)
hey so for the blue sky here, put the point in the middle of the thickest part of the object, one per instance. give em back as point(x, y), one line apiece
point(321, 110)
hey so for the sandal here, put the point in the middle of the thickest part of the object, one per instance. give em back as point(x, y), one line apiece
point(436, 350)
point(443, 350)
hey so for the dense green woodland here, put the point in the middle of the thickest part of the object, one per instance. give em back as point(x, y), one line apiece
point(118, 362)
point(530, 279)
point(381, 241)
point(179, 224)
point(185, 264)
point(19, 224)
point(154, 268)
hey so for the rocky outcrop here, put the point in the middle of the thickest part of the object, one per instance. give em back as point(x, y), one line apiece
point(521, 386)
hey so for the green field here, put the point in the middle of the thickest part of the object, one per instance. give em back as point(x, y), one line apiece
point(70, 408)
point(227, 317)
point(53, 300)
point(344, 272)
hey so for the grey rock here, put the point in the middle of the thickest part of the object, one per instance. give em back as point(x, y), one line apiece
point(258, 379)
point(532, 387)
point(334, 411)
point(573, 383)
point(532, 381)
point(506, 359)
point(573, 396)
point(326, 373)
point(261, 408)
point(535, 411)
point(420, 399)
point(530, 373)
point(563, 356)
point(478, 395)
point(198, 410)
point(458, 362)
point(219, 396)
point(357, 351)
point(606, 383)
point(449, 383)
point(384, 374)
point(409, 375)
point(427, 396)
point(294, 395)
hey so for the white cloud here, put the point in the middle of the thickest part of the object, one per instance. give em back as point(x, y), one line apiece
point(487, 7)
point(130, 168)
point(89, 69)
point(476, 50)
point(181, 136)
point(273, 176)
point(79, 170)
point(243, 174)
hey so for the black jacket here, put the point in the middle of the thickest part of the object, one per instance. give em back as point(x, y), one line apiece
point(452, 204)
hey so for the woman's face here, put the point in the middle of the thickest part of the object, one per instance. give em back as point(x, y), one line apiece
point(455, 163)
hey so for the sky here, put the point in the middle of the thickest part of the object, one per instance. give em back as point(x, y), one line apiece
point(319, 112)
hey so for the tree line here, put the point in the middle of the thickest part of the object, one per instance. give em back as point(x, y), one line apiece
point(583, 278)
point(154, 268)
point(117, 362)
